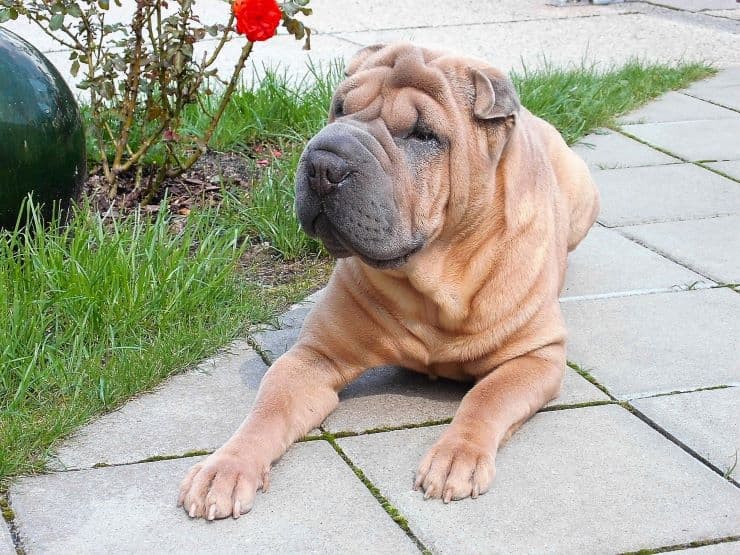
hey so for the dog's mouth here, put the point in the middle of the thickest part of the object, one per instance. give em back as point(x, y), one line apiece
point(340, 247)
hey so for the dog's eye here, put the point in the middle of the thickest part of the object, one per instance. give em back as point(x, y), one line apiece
point(421, 132)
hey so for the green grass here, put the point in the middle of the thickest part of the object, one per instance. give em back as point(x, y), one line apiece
point(98, 311)
point(578, 100)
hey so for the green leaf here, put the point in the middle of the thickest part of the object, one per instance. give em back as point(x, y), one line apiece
point(56, 22)
point(75, 69)
point(104, 4)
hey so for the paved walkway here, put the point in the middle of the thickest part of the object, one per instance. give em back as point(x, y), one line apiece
point(505, 32)
point(637, 453)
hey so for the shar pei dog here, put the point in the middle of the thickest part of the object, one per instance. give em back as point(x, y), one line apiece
point(451, 210)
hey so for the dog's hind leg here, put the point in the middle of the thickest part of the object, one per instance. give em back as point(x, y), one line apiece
point(582, 199)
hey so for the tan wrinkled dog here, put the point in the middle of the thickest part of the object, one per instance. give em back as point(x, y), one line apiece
point(452, 210)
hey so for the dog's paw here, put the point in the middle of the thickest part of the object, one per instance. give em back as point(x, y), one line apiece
point(225, 484)
point(455, 469)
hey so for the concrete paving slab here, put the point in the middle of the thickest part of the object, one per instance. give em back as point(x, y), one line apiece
point(649, 344)
point(194, 411)
point(728, 167)
point(701, 140)
point(6, 542)
point(356, 15)
point(708, 246)
point(609, 150)
point(705, 421)
point(586, 480)
point(606, 262)
point(632, 196)
point(675, 106)
point(561, 42)
point(732, 14)
point(728, 77)
point(393, 397)
point(315, 505)
point(699, 5)
point(390, 397)
point(722, 90)
point(275, 341)
point(725, 548)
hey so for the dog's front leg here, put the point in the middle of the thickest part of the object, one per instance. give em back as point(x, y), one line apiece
point(296, 394)
point(461, 463)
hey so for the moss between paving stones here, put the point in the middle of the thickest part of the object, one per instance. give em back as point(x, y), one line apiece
point(585, 374)
point(682, 546)
point(388, 507)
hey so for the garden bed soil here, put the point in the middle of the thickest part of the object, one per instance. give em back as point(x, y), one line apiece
point(201, 186)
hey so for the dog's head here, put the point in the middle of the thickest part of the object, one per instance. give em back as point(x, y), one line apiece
point(412, 140)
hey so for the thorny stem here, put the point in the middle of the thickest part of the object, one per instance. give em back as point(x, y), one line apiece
point(221, 43)
point(203, 143)
point(132, 87)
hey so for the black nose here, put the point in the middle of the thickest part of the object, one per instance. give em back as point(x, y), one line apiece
point(325, 171)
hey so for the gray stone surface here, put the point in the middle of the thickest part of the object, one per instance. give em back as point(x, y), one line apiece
point(606, 262)
point(392, 397)
point(609, 150)
point(275, 341)
point(676, 106)
point(732, 14)
point(584, 480)
point(721, 89)
point(725, 548)
point(699, 5)
point(6, 542)
point(561, 42)
point(389, 397)
point(197, 410)
point(358, 15)
point(693, 140)
point(706, 421)
point(708, 246)
point(315, 504)
point(646, 344)
point(728, 167)
point(664, 193)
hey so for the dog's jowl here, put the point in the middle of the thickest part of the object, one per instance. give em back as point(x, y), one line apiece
point(451, 210)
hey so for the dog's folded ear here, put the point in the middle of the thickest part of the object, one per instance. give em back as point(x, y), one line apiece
point(359, 58)
point(495, 96)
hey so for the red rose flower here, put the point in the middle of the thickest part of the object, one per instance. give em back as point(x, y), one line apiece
point(257, 19)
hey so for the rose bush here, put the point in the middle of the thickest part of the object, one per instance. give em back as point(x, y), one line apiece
point(141, 76)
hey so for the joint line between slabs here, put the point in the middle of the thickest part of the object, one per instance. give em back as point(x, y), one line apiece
point(673, 439)
point(8, 516)
point(685, 93)
point(652, 395)
point(385, 504)
point(689, 545)
point(702, 273)
point(618, 129)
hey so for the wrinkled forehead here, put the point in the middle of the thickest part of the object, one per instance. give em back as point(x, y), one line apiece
point(400, 84)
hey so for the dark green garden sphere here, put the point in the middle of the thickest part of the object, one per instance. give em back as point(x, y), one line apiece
point(42, 141)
